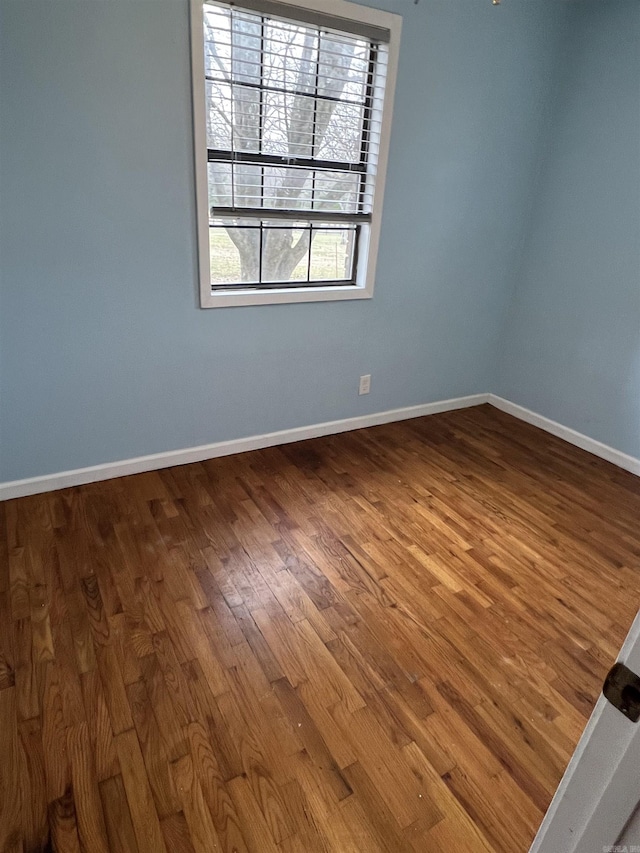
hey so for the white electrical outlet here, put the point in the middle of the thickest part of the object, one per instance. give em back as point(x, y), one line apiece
point(365, 384)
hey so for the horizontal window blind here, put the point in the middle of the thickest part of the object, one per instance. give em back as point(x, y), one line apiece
point(293, 123)
point(274, 9)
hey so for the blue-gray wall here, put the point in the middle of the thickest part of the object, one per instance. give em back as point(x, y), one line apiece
point(571, 349)
point(105, 354)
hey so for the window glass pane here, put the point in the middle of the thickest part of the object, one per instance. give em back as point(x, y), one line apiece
point(217, 42)
point(285, 188)
point(245, 116)
point(331, 253)
point(339, 131)
point(302, 126)
point(235, 254)
point(220, 185)
point(288, 124)
point(285, 252)
point(337, 191)
point(295, 252)
point(219, 122)
point(342, 67)
point(247, 181)
point(246, 45)
point(289, 189)
point(291, 56)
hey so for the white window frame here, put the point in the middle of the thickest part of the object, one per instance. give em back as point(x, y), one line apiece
point(369, 240)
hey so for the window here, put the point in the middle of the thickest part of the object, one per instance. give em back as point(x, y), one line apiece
point(292, 110)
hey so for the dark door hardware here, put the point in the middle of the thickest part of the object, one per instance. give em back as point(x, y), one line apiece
point(622, 689)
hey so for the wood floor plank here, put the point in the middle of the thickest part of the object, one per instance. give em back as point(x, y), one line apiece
point(384, 641)
point(32, 786)
point(252, 819)
point(63, 823)
point(10, 776)
point(153, 750)
point(122, 838)
point(54, 735)
point(113, 685)
point(225, 818)
point(146, 824)
point(201, 828)
point(99, 725)
point(177, 836)
point(88, 807)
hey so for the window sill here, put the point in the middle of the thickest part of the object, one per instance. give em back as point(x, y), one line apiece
point(236, 297)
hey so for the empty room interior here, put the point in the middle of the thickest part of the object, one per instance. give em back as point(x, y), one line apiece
point(319, 418)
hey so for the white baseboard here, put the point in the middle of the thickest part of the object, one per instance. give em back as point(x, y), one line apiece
point(622, 460)
point(95, 473)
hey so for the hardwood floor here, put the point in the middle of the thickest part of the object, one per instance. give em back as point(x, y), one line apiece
point(386, 640)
